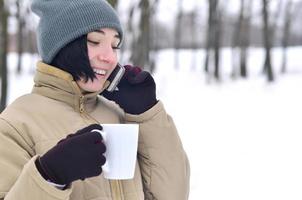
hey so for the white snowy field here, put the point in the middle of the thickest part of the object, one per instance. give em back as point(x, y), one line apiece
point(243, 137)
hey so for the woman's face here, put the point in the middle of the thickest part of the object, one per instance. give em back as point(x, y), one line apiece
point(102, 48)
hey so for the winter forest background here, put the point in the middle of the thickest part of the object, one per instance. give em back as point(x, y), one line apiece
point(228, 71)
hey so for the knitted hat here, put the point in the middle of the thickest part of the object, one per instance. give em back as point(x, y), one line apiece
point(62, 21)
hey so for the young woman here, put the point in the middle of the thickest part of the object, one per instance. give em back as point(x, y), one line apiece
point(47, 147)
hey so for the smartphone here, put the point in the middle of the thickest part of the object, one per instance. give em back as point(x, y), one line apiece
point(115, 77)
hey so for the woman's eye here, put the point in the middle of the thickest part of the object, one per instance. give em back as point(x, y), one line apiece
point(93, 42)
point(116, 47)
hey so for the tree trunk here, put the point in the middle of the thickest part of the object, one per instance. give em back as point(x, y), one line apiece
point(245, 38)
point(286, 33)
point(177, 34)
point(213, 39)
point(217, 26)
point(267, 42)
point(3, 54)
point(153, 34)
point(193, 39)
point(140, 52)
point(20, 35)
point(241, 39)
point(209, 43)
point(272, 25)
point(236, 41)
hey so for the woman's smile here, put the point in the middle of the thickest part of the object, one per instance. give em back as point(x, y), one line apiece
point(100, 72)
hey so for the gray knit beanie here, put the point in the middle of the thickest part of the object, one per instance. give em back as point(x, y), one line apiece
point(62, 21)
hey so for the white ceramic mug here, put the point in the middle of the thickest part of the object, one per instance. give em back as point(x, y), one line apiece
point(121, 142)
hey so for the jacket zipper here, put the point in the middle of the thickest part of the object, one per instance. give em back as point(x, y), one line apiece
point(115, 185)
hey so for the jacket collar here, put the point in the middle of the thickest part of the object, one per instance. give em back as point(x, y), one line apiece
point(57, 84)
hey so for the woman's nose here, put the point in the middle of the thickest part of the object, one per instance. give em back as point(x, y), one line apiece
point(107, 55)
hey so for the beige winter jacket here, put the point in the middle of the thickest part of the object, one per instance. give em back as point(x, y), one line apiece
point(56, 107)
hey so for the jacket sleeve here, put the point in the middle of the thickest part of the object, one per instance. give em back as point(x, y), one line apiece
point(19, 176)
point(163, 161)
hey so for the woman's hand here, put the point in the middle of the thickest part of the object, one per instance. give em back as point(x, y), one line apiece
point(136, 92)
point(78, 156)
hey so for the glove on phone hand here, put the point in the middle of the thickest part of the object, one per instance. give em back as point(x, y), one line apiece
point(136, 91)
point(78, 156)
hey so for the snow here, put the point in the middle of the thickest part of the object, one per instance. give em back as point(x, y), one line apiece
point(242, 137)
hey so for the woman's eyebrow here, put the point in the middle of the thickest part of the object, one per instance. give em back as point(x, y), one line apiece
point(102, 32)
point(99, 31)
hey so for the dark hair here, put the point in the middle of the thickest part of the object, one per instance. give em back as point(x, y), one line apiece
point(73, 58)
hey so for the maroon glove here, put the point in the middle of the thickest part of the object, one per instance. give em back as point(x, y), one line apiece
point(137, 91)
point(78, 156)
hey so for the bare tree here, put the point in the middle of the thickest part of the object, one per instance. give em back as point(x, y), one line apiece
point(153, 34)
point(275, 19)
point(267, 41)
point(241, 38)
point(209, 39)
point(129, 29)
point(245, 38)
point(141, 47)
point(286, 33)
point(3, 53)
point(193, 26)
point(213, 38)
point(20, 34)
point(177, 33)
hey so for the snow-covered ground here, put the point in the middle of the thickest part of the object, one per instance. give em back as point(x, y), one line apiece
point(243, 137)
